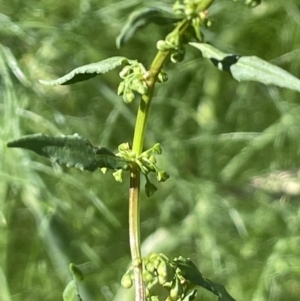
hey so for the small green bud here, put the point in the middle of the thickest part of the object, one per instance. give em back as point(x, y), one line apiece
point(142, 68)
point(173, 40)
point(121, 88)
point(162, 77)
point(176, 289)
point(126, 281)
point(142, 89)
point(104, 170)
point(137, 262)
point(128, 96)
point(178, 7)
point(134, 83)
point(147, 277)
point(162, 176)
point(162, 269)
point(157, 148)
point(125, 71)
point(189, 11)
point(150, 267)
point(118, 175)
point(156, 260)
point(162, 45)
point(139, 86)
point(152, 159)
point(124, 147)
point(208, 23)
point(146, 154)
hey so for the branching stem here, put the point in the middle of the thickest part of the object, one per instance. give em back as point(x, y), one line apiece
point(137, 147)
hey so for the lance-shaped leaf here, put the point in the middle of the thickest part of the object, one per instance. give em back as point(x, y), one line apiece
point(249, 68)
point(142, 17)
point(190, 272)
point(72, 151)
point(88, 71)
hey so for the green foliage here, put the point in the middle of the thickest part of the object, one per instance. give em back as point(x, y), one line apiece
point(249, 68)
point(178, 277)
point(231, 149)
point(88, 71)
point(142, 17)
point(72, 151)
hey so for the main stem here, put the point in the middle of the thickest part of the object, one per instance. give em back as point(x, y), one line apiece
point(134, 191)
point(137, 147)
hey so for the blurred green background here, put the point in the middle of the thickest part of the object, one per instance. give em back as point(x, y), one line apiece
point(232, 203)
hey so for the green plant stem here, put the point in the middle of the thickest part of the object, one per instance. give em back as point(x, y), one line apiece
point(134, 232)
point(143, 112)
point(204, 4)
point(134, 191)
point(137, 147)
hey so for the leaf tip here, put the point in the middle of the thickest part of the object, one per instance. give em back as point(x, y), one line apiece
point(45, 82)
point(119, 42)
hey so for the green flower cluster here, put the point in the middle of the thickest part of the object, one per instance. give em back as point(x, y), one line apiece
point(146, 162)
point(159, 271)
point(133, 81)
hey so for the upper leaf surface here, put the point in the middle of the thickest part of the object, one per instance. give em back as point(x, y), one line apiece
point(70, 150)
point(209, 52)
point(253, 68)
point(88, 71)
point(249, 68)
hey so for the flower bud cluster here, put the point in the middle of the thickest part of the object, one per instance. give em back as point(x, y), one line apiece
point(187, 7)
point(196, 17)
point(146, 162)
point(158, 270)
point(133, 81)
point(172, 44)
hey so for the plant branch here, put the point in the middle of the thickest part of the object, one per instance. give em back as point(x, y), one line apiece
point(134, 192)
point(137, 147)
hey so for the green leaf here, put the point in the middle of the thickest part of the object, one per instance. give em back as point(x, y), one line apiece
point(142, 17)
point(249, 68)
point(72, 151)
point(209, 51)
point(253, 68)
point(191, 273)
point(88, 71)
